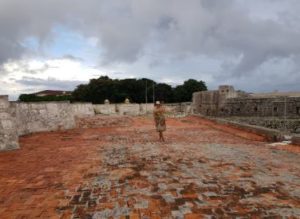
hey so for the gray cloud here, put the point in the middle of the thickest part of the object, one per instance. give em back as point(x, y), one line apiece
point(24, 67)
point(50, 83)
point(72, 58)
point(248, 34)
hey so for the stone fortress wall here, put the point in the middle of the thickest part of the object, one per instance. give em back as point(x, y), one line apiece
point(278, 110)
point(19, 118)
point(227, 102)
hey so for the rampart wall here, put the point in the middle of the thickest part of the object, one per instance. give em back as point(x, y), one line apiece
point(227, 102)
point(82, 109)
point(19, 118)
point(8, 135)
point(264, 107)
point(43, 116)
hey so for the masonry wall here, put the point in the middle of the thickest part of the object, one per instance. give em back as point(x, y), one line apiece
point(43, 116)
point(106, 109)
point(262, 107)
point(146, 108)
point(206, 102)
point(128, 109)
point(140, 109)
point(220, 103)
point(179, 108)
point(82, 109)
point(286, 125)
point(8, 134)
point(18, 118)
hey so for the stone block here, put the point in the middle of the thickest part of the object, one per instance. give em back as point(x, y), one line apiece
point(4, 102)
point(4, 115)
point(83, 109)
point(7, 124)
point(129, 109)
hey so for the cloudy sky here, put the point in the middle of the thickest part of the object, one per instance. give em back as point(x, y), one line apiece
point(58, 44)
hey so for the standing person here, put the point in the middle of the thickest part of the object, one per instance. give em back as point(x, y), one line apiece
point(159, 118)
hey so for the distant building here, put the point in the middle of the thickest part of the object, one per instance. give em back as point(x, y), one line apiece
point(52, 93)
point(226, 101)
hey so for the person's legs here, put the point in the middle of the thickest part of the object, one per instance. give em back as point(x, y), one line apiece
point(161, 136)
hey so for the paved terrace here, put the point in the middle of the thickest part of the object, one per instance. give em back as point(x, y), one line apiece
point(203, 170)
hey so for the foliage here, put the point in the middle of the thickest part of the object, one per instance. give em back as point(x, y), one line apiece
point(136, 90)
point(184, 92)
point(34, 98)
point(116, 91)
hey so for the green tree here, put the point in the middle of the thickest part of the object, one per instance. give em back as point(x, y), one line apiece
point(184, 93)
point(34, 98)
point(97, 90)
point(164, 92)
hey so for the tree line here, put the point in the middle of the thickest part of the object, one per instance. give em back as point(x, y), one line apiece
point(35, 98)
point(136, 90)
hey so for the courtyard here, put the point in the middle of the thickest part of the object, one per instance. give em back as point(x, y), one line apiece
point(116, 168)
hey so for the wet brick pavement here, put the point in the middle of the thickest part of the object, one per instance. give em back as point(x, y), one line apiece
point(204, 170)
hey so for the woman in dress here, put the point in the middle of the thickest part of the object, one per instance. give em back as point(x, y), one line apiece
point(159, 118)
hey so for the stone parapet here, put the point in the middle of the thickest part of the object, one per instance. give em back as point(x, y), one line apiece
point(281, 124)
point(228, 102)
point(270, 135)
point(8, 134)
point(20, 118)
point(43, 116)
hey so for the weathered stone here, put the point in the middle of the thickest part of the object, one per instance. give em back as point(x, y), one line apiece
point(8, 134)
point(227, 102)
point(285, 125)
point(121, 174)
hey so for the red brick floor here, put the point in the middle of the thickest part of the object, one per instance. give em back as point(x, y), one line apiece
point(202, 170)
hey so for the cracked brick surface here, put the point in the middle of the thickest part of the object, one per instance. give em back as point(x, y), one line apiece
point(203, 170)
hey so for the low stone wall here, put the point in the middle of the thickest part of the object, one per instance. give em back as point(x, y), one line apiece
point(43, 116)
point(128, 109)
point(105, 109)
point(98, 121)
point(140, 109)
point(146, 108)
point(19, 118)
point(285, 125)
point(179, 108)
point(270, 135)
point(8, 134)
point(82, 109)
point(123, 109)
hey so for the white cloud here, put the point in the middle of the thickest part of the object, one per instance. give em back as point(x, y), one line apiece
point(33, 75)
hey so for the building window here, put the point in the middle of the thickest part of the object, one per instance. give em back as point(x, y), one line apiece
point(238, 109)
point(255, 109)
point(275, 109)
point(298, 110)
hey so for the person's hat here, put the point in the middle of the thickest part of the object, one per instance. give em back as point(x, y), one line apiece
point(157, 102)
